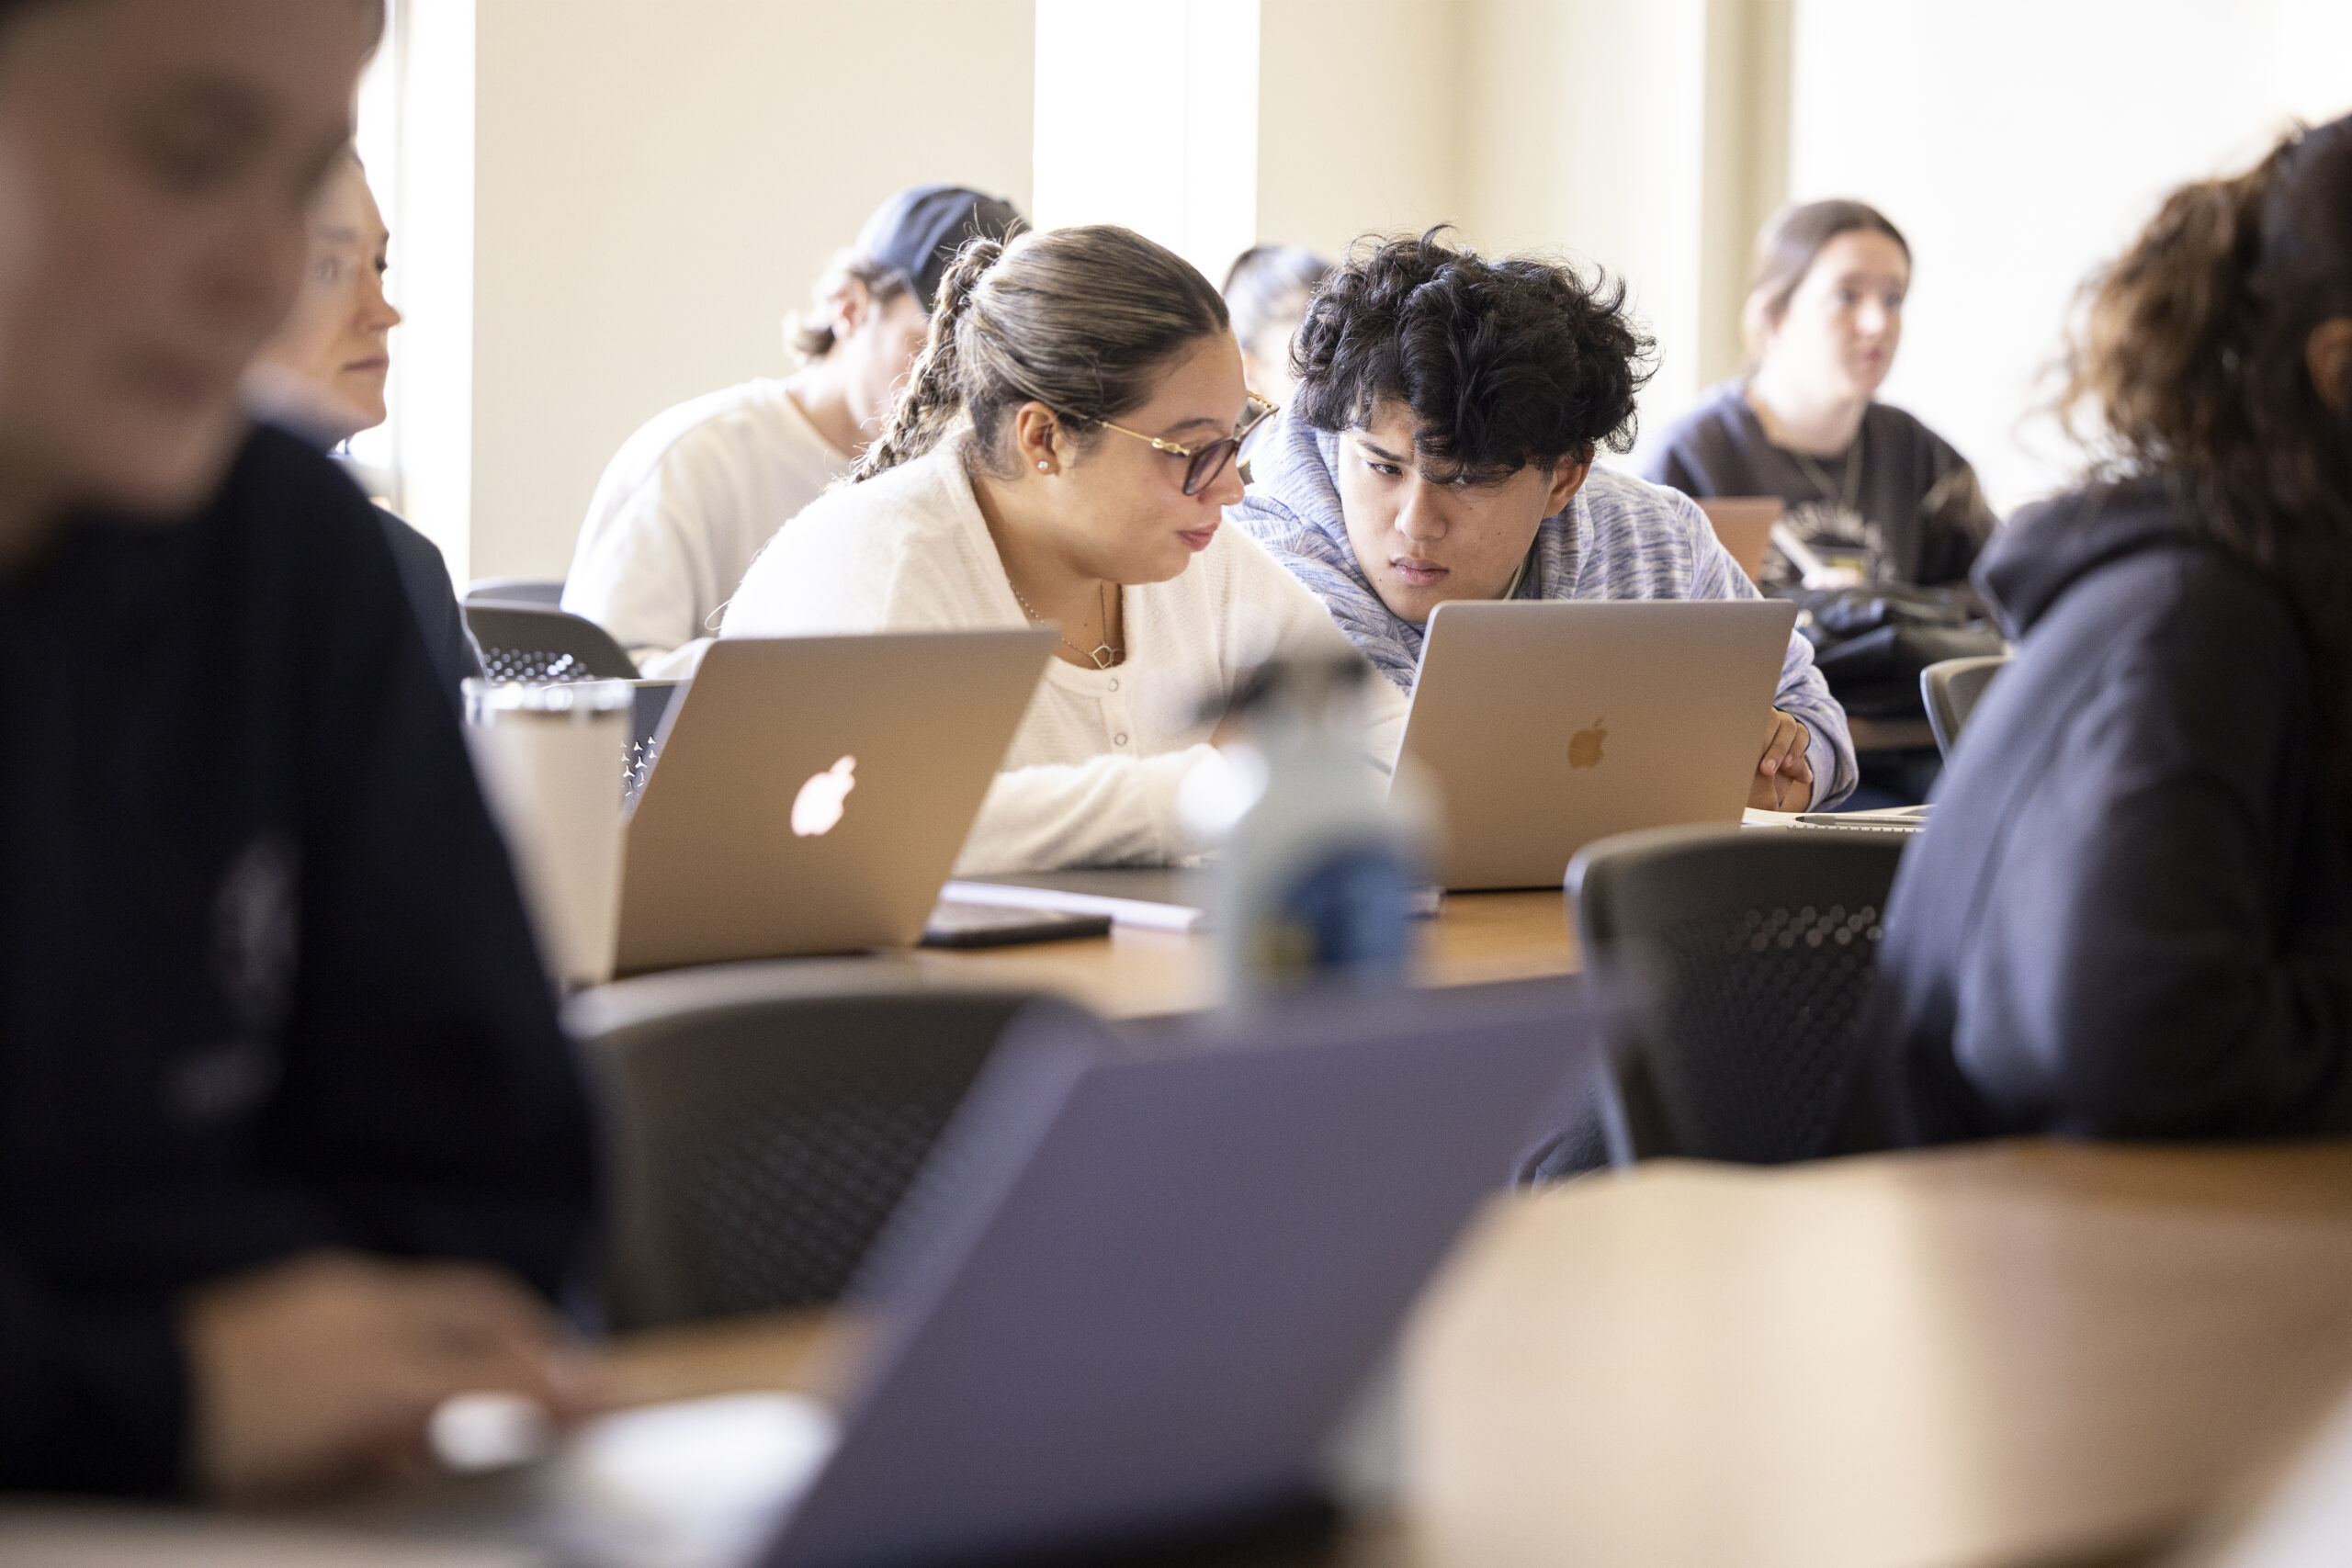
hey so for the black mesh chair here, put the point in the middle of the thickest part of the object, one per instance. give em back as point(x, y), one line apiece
point(765, 1118)
point(522, 642)
point(1952, 688)
point(1751, 951)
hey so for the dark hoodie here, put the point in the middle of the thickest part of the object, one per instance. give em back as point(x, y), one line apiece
point(2132, 915)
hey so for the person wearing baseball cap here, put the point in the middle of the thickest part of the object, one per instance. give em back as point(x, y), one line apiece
point(695, 494)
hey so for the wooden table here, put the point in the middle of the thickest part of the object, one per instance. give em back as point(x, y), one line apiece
point(2021, 1355)
point(1477, 937)
point(2016, 1354)
point(2007, 1355)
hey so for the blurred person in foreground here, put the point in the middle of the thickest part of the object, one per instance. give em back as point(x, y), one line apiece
point(322, 376)
point(2132, 915)
point(293, 1148)
point(691, 498)
point(1441, 446)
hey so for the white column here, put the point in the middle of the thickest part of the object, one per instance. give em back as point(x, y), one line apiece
point(1587, 138)
point(431, 211)
point(1146, 116)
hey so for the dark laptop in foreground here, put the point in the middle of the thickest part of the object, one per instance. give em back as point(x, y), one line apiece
point(1135, 1287)
point(1547, 724)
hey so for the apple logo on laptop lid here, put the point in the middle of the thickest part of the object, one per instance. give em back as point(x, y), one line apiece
point(820, 803)
point(1584, 746)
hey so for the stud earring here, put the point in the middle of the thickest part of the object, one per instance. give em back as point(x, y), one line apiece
point(1042, 465)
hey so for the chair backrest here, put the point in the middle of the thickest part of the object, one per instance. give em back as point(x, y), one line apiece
point(547, 592)
point(1744, 524)
point(765, 1120)
point(1952, 689)
point(521, 642)
point(1753, 950)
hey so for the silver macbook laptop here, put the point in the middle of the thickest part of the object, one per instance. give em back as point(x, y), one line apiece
point(1546, 723)
point(809, 795)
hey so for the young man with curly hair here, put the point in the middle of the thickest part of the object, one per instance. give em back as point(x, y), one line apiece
point(1441, 446)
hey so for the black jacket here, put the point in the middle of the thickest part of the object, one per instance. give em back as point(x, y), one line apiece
point(424, 577)
point(2131, 914)
point(266, 983)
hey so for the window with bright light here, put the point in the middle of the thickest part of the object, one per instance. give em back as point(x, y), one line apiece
point(379, 140)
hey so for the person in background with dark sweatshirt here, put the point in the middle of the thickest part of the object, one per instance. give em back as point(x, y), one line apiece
point(291, 1148)
point(1873, 495)
point(322, 376)
point(2131, 914)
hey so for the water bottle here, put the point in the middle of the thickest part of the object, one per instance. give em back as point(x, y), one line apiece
point(1319, 876)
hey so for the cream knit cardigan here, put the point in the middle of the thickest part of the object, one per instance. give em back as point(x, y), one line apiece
point(1093, 774)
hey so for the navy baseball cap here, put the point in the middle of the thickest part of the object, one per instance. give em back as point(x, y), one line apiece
point(919, 230)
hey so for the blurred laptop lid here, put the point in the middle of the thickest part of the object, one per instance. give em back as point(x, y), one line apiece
point(1546, 723)
point(1132, 1292)
point(809, 795)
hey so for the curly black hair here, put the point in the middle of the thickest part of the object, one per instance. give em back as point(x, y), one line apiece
point(1503, 363)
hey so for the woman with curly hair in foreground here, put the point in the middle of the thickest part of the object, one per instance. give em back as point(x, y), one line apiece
point(2132, 916)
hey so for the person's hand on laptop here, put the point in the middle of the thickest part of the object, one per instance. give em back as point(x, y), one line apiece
point(325, 1369)
point(1783, 775)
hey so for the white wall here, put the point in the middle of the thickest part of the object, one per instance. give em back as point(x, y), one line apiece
point(1358, 118)
point(2019, 143)
point(1622, 134)
point(615, 203)
point(650, 187)
point(1586, 136)
point(657, 185)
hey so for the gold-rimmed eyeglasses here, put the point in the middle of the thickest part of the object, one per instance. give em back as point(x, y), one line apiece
point(1209, 461)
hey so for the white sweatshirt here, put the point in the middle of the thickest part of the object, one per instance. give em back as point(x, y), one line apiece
point(1093, 774)
point(681, 509)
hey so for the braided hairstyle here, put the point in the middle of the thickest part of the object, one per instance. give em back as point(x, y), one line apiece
point(2187, 360)
point(1082, 320)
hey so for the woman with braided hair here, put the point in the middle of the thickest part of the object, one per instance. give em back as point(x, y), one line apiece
point(1063, 453)
point(2132, 916)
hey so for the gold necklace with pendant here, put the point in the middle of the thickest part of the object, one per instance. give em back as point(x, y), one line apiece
point(1101, 655)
